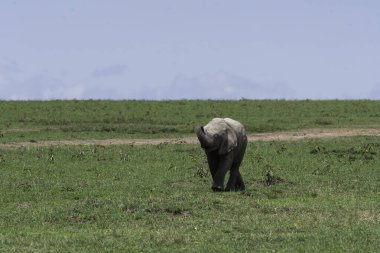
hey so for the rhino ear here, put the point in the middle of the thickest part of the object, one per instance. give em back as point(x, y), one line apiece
point(229, 141)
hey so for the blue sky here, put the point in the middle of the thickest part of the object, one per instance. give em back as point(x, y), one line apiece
point(194, 49)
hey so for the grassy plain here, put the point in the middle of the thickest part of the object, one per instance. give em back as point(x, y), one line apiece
point(36, 120)
point(324, 195)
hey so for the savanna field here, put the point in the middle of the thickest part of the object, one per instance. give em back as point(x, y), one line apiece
point(323, 195)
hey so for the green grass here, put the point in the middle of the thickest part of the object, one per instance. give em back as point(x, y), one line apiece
point(324, 198)
point(49, 120)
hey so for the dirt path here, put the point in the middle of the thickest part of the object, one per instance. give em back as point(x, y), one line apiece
point(276, 136)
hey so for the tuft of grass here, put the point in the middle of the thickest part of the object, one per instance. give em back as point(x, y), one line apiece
point(157, 199)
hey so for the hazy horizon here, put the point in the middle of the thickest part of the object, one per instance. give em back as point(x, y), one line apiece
point(170, 50)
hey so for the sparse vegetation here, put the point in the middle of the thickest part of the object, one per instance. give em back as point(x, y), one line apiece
point(315, 195)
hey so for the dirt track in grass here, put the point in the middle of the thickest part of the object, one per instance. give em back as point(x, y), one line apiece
point(274, 136)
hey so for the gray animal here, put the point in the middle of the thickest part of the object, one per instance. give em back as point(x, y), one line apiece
point(224, 142)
